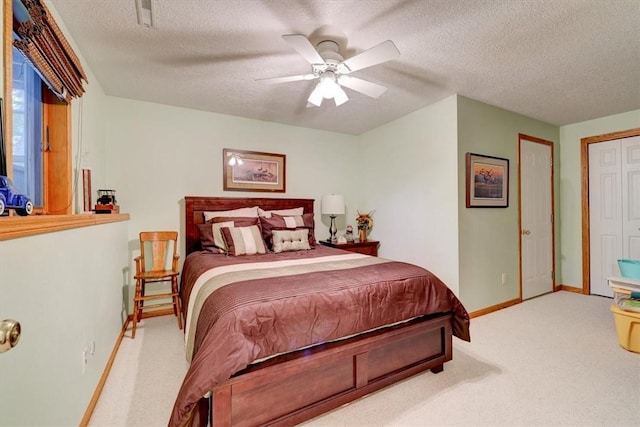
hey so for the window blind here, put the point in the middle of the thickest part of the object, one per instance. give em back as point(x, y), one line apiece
point(41, 41)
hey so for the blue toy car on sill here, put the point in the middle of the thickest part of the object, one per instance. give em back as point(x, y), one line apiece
point(10, 199)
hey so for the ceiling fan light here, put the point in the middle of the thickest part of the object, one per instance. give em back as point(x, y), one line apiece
point(316, 96)
point(327, 86)
point(340, 97)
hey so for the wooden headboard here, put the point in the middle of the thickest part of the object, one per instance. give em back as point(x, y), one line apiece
point(195, 206)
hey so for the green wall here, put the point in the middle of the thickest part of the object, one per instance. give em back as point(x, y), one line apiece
point(488, 238)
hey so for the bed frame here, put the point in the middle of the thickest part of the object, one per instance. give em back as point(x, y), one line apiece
point(295, 387)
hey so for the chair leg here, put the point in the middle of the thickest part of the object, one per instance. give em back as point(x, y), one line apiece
point(143, 284)
point(136, 302)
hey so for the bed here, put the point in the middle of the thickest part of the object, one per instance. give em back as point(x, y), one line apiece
point(279, 338)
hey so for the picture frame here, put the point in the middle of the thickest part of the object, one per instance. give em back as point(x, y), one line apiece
point(487, 181)
point(245, 170)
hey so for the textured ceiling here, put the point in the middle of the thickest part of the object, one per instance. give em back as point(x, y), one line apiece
point(559, 61)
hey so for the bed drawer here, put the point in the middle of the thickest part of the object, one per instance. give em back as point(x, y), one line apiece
point(298, 386)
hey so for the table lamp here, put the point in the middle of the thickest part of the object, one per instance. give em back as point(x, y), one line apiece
point(332, 205)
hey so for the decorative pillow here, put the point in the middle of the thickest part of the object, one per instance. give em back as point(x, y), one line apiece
point(291, 240)
point(304, 220)
point(292, 211)
point(210, 236)
point(243, 240)
point(243, 212)
point(237, 221)
point(281, 222)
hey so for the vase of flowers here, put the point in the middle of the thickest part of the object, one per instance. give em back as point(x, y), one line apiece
point(364, 222)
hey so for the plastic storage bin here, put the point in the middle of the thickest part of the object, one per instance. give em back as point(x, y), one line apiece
point(629, 268)
point(622, 299)
point(627, 328)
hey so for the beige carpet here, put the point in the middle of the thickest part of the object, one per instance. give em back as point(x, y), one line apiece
point(550, 361)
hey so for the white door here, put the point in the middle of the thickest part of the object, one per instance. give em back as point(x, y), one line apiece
point(631, 198)
point(605, 216)
point(536, 217)
point(614, 208)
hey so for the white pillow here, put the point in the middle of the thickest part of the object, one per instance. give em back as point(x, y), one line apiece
point(284, 212)
point(291, 240)
point(246, 212)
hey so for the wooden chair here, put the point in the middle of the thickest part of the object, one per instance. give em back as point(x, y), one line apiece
point(158, 262)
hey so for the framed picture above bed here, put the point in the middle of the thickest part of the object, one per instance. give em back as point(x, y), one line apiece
point(253, 171)
point(487, 181)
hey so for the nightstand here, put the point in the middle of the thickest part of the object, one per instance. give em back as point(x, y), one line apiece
point(369, 247)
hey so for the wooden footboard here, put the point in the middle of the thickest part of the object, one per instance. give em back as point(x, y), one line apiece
point(295, 387)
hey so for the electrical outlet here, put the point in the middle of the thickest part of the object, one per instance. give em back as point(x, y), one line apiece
point(85, 359)
point(504, 278)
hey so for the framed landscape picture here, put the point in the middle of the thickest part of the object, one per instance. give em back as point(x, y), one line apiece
point(253, 171)
point(487, 181)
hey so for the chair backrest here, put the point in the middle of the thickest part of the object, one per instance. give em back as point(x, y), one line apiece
point(158, 250)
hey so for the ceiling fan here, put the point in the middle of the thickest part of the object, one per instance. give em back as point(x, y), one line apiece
point(334, 71)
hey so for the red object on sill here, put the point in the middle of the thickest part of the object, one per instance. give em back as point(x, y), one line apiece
point(107, 209)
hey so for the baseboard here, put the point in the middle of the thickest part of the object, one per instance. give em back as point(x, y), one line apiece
point(103, 379)
point(570, 289)
point(496, 307)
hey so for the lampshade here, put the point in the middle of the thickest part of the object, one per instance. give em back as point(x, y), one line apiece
point(332, 205)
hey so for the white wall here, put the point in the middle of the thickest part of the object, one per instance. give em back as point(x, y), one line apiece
point(157, 154)
point(571, 185)
point(65, 289)
point(407, 173)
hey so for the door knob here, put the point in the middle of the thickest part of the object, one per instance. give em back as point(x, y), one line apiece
point(9, 334)
point(526, 232)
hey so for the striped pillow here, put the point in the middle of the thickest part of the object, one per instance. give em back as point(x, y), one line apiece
point(243, 240)
point(211, 236)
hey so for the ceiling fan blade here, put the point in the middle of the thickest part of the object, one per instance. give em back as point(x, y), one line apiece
point(304, 47)
point(368, 88)
point(286, 79)
point(378, 54)
point(316, 97)
point(340, 97)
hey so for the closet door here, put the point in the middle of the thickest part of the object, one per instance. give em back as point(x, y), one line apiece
point(605, 216)
point(631, 198)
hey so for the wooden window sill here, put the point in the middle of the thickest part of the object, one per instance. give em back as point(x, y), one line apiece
point(14, 227)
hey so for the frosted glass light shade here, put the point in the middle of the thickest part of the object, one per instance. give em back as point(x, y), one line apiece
point(332, 205)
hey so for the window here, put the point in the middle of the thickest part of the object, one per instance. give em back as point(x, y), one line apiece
point(28, 144)
point(45, 75)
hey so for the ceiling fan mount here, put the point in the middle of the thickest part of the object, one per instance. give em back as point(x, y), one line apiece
point(333, 71)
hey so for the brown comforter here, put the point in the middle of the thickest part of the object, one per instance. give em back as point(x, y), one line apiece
point(309, 297)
